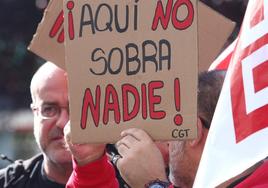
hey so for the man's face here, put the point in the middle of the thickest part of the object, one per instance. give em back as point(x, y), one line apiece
point(181, 165)
point(51, 94)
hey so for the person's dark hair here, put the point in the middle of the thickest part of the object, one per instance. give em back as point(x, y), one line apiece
point(209, 88)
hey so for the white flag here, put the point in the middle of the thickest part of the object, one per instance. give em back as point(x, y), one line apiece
point(238, 137)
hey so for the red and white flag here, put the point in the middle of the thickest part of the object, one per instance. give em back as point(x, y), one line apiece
point(238, 137)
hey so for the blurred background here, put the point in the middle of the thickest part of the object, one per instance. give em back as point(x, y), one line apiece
point(18, 23)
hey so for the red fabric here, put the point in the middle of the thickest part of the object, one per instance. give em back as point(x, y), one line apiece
point(98, 174)
point(259, 179)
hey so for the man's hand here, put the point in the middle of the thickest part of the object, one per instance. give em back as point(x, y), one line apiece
point(141, 160)
point(83, 153)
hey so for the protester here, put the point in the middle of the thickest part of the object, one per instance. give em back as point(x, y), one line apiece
point(141, 160)
point(184, 156)
point(53, 166)
point(146, 167)
point(141, 163)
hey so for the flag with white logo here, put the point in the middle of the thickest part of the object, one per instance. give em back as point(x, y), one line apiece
point(238, 137)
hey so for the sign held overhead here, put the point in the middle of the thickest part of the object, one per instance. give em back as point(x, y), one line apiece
point(131, 64)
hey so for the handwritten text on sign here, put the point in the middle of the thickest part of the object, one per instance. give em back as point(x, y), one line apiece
point(137, 60)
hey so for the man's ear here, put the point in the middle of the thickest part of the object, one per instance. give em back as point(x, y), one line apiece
point(200, 134)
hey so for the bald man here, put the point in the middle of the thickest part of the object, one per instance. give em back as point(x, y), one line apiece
point(53, 166)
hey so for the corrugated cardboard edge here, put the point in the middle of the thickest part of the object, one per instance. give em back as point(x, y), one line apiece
point(213, 31)
point(41, 47)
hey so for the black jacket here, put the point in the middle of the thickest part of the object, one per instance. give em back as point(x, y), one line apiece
point(26, 174)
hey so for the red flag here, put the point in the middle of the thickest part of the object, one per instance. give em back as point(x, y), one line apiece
point(238, 135)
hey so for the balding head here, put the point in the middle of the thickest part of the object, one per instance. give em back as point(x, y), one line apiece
point(50, 106)
point(47, 73)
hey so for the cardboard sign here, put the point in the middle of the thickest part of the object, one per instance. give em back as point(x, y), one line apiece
point(211, 39)
point(131, 64)
point(48, 40)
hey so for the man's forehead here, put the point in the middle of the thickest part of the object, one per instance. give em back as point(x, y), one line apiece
point(47, 74)
point(50, 103)
point(49, 84)
point(46, 95)
point(48, 71)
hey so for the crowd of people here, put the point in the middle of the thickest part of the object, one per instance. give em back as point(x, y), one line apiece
point(141, 162)
point(135, 160)
point(54, 166)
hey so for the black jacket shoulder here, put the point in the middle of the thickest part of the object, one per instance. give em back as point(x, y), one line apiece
point(16, 174)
